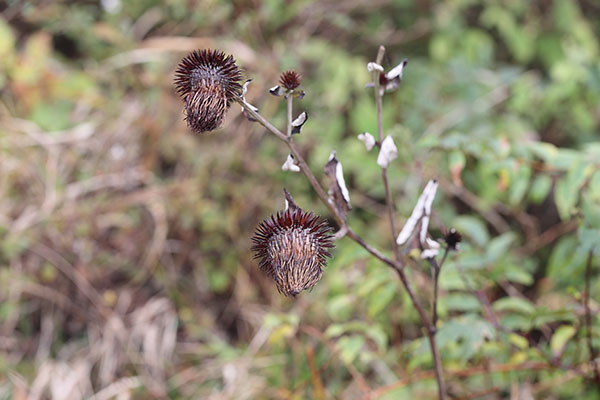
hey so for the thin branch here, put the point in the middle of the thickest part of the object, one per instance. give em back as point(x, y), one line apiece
point(316, 186)
point(397, 265)
point(430, 327)
point(436, 269)
point(588, 317)
point(290, 99)
point(384, 178)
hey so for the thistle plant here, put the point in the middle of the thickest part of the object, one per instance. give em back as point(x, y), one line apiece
point(208, 81)
point(292, 246)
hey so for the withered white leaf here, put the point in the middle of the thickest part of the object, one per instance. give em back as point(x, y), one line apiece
point(289, 164)
point(276, 90)
point(255, 109)
point(339, 195)
point(394, 76)
point(388, 152)
point(397, 71)
point(289, 201)
point(367, 139)
point(373, 66)
point(431, 250)
point(299, 122)
point(422, 208)
point(245, 88)
point(429, 194)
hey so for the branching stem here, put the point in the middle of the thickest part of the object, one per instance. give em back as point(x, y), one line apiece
point(397, 264)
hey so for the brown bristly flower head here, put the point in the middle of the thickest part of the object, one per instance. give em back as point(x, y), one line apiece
point(208, 81)
point(292, 247)
point(290, 80)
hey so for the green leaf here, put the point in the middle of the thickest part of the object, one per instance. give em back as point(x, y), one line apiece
point(566, 262)
point(468, 332)
point(568, 188)
point(498, 246)
point(461, 302)
point(560, 338)
point(518, 341)
point(350, 346)
point(378, 335)
point(540, 188)
point(380, 298)
point(514, 304)
point(340, 307)
point(516, 273)
point(519, 185)
point(473, 227)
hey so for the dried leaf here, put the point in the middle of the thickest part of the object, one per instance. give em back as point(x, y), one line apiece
point(299, 122)
point(289, 164)
point(276, 91)
point(373, 66)
point(289, 201)
point(338, 192)
point(367, 139)
point(420, 213)
point(388, 152)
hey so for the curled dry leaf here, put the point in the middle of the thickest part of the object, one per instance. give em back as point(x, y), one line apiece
point(388, 152)
point(373, 66)
point(338, 192)
point(392, 79)
point(431, 249)
point(276, 91)
point(387, 81)
point(421, 213)
point(290, 165)
point(289, 201)
point(367, 139)
point(299, 122)
point(244, 91)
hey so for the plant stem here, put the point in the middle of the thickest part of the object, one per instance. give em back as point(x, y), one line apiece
point(397, 264)
point(588, 317)
point(430, 327)
point(379, 105)
point(290, 99)
point(315, 184)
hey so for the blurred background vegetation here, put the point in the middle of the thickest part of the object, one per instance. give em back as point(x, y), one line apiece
point(125, 269)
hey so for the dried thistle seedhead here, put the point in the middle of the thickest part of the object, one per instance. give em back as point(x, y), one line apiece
point(290, 80)
point(208, 81)
point(292, 247)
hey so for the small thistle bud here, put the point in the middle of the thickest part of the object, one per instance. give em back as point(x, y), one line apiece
point(290, 80)
point(208, 81)
point(292, 247)
point(452, 239)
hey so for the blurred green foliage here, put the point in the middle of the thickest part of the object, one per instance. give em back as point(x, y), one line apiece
point(108, 203)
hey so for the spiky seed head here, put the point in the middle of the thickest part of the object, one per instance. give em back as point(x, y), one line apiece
point(290, 80)
point(293, 247)
point(208, 81)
